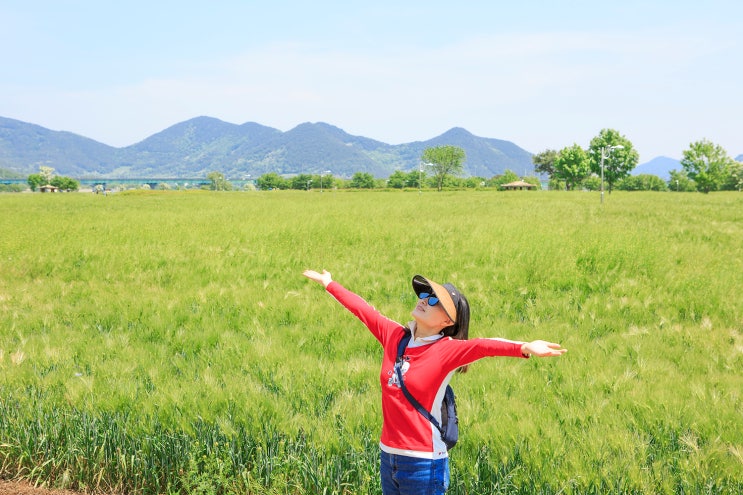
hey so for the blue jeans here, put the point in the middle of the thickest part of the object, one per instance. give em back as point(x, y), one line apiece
point(403, 475)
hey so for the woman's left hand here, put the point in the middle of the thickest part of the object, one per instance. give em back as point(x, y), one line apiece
point(541, 348)
point(323, 278)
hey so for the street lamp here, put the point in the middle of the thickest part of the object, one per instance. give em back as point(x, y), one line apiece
point(604, 154)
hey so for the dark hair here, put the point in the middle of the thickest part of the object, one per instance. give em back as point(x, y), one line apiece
point(460, 330)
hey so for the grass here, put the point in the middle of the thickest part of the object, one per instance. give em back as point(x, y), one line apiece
point(166, 342)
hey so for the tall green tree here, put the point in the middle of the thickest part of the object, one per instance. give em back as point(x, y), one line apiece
point(572, 166)
point(271, 180)
point(618, 162)
point(734, 182)
point(301, 182)
point(707, 164)
point(362, 180)
point(218, 182)
point(413, 178)
point(544, 162)
point(396, 180)
point(444, 160)
point(680, 182)
point(65, 183)
point(35, 181)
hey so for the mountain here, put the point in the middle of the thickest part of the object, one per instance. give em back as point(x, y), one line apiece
point(660, 166)
point(314, 148)
point(483, 153)
point(25, 147)
point(191, 148)
point(202, 144)
point(739, 158)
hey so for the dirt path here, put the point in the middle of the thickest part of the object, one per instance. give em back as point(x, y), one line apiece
point(18, 488)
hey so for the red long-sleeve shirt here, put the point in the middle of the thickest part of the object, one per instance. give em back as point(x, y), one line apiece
point(427, 372)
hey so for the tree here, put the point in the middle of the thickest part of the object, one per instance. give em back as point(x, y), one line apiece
point(444, 160)
point(218, 181)
point(301, 181)
point(35, 181)
point(591, 183)
point(572, 165)
point(498, 180)
point(397, 179)
point(734, 181)
point(47, 173)
point(533, 180)
point(43, 178)
point(618, 162)
point(323, 181)
point(474, 182)
point(544, 162)
point(65, 183)
point(707, 164)
point(413, 178)
point(642, 182)
point(362, 180)
point(680, 182)
point(269, 181)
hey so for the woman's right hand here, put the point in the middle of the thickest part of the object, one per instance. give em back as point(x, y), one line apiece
point(323, 278)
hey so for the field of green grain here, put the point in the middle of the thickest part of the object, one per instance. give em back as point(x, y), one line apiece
point(166, 342)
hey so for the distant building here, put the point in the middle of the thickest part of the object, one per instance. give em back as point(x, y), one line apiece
point(519, 184)
point(48, 188)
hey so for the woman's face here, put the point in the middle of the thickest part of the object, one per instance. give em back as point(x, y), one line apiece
point(429, 314)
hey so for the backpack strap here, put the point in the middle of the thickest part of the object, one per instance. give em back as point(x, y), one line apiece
point(398, 369)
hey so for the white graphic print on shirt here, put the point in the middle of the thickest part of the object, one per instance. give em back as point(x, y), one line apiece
point(393, 374)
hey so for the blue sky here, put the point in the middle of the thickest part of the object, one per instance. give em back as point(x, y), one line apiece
point(541, 74)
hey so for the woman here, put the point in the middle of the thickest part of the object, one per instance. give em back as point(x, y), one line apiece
point(414, 458)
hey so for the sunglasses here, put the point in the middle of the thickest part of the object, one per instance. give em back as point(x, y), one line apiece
point(432, 299)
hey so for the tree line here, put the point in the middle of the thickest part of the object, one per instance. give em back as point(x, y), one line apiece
point(607, 163)
point(47, 177)
point(440, 167)
point(610, 158)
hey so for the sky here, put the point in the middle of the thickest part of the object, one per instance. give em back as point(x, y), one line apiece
point(541, 74)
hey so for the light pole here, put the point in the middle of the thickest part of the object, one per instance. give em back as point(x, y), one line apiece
point(604, 154)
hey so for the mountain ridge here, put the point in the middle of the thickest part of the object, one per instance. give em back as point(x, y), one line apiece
point(196, 146)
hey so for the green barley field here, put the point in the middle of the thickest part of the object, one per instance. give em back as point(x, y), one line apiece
point(166, 342)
